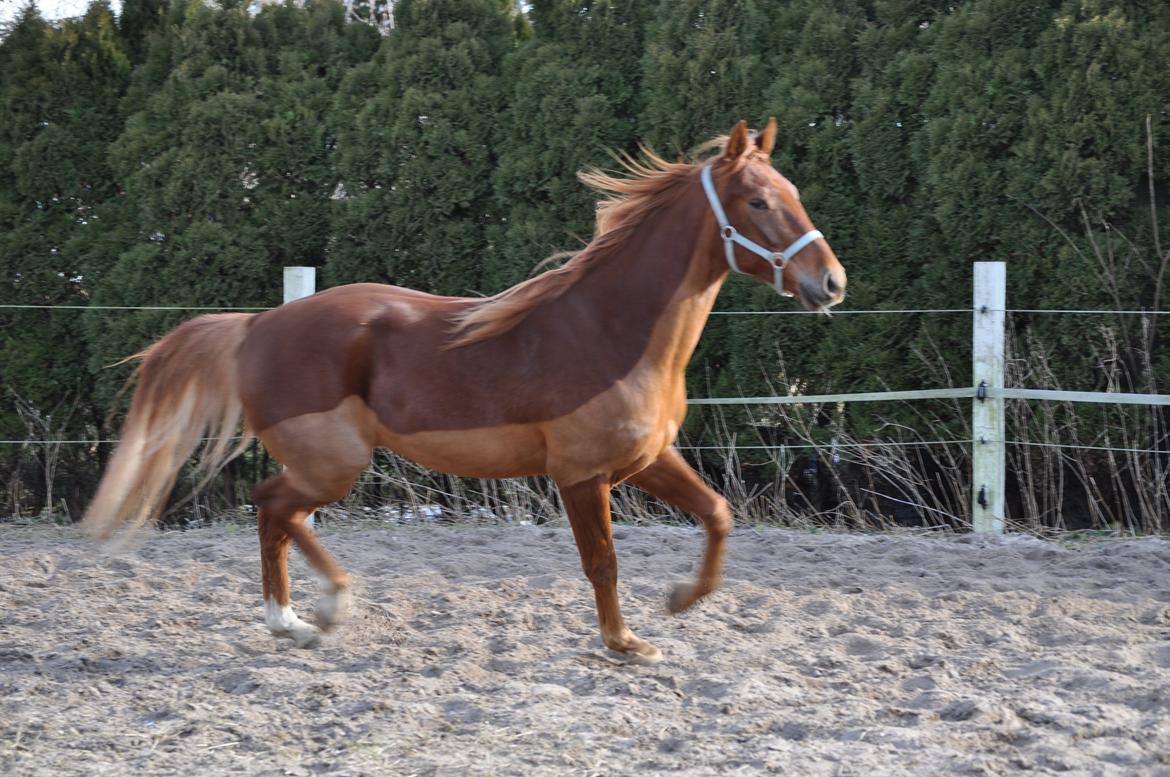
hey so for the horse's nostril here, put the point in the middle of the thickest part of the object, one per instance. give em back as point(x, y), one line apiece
point(831, 284)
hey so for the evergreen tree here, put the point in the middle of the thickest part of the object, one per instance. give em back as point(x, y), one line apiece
point(709, 64)
point(184, 153)
point(572, 100)
point(138, 22)
point(226, 161)
point(60, 90)
point(806, 80)
point(1046, 117)
point(848, 94)
point(417, 162)
point(705, 65)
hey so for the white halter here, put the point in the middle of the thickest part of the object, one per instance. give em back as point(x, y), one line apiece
point(731, 236)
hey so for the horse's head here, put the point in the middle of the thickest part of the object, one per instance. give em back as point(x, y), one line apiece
point(764, 230)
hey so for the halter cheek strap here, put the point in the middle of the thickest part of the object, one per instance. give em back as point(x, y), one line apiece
point(731, 236)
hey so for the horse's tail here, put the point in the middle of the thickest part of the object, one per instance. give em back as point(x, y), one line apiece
point(187, 394)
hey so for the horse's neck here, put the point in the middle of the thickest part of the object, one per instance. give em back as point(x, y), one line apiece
point(656, 291)
point(678, 330)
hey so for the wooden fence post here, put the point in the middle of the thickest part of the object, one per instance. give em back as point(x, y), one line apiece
point(988, 460)
point(300, 282)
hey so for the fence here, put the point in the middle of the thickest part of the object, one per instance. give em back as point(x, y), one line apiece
point(986, 392)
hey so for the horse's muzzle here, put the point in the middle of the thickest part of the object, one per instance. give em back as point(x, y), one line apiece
point(821, 293)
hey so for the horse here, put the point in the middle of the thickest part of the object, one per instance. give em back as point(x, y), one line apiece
point(576, 373)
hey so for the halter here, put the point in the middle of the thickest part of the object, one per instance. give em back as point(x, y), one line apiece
point(778, 259)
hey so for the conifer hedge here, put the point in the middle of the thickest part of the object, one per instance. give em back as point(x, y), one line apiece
point(181, 154)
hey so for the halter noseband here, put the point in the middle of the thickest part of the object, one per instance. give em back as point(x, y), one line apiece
point(778, 259)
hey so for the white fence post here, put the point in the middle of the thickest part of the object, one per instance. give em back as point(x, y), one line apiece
point(300, 282)
point(988, 460)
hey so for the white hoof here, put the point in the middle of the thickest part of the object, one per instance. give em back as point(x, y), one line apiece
point(333, 607)
point(283, 622)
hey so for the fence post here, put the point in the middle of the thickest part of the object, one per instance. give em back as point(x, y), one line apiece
point(300, 282)
point(988, 460)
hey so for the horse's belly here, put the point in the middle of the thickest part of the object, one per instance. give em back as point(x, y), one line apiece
point(491, 452)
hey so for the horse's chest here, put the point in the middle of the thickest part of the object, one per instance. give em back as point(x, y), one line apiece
point(619, 432)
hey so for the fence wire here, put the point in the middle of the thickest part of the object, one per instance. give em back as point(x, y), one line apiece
point(727, 448)
point(1030, 444)
point(959, 393)
point(794, 312)
point(122, 307)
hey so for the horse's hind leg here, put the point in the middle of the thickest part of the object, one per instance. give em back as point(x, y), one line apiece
point(324, 456)
point(273, 523)
point(282, 514)
point(587, 504)
point(673, 481)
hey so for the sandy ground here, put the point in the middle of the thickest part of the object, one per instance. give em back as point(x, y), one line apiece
point(474, 651)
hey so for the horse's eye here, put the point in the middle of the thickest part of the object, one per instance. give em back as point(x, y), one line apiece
point(758, 204)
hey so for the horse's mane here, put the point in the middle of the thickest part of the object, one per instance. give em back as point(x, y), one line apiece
point(648, 183)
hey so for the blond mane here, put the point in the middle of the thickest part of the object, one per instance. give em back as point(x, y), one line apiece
point(647, 184)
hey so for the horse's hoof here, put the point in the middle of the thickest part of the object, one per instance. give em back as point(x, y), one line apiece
point(283, 622)
point(637, 651)
point(681, 598)
point(333, 608)
point(648, 654)
point(305, 637)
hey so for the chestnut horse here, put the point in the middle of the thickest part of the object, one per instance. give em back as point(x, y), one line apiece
point(576, 373)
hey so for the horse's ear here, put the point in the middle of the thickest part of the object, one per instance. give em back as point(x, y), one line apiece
point(738, 143)
point(767, 138)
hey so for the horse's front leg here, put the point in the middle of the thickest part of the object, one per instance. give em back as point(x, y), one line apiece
point(673, 481)
point(587, 504)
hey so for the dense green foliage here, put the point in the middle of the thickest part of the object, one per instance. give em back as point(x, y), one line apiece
point(182, 154)
point(417, 160)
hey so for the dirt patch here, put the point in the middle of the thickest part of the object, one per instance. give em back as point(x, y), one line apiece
point(475, 651)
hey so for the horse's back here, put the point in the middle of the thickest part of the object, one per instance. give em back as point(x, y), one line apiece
point(310, 355)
